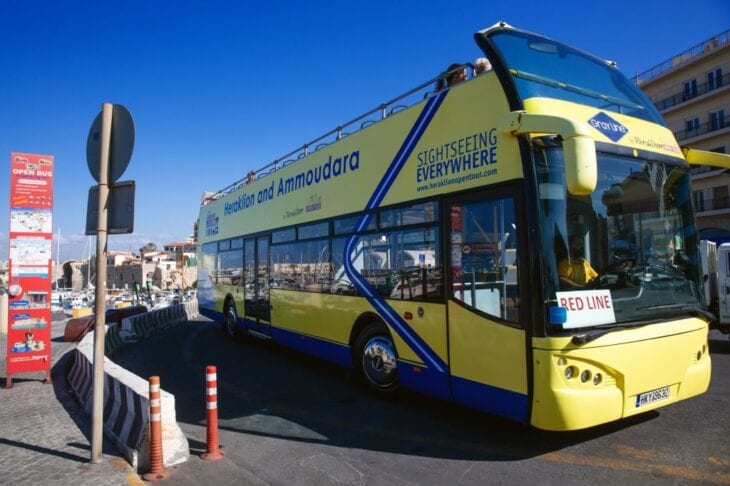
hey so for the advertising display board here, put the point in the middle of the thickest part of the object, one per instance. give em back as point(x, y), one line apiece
point(30, 272)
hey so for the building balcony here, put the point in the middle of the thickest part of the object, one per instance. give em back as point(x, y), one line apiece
point(685, 96)
point(714, 204)
point(683, 58)
point(703, 129)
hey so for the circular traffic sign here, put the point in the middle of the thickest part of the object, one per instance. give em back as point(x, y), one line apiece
point(120, 147)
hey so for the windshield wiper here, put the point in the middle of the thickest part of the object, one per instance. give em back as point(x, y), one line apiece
point(692, 309)
point(596, 333)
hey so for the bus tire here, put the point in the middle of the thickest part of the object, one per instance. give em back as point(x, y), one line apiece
point(231, 320)
point(376, 360)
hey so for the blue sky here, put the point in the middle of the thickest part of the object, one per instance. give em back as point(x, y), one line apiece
point(219, 88)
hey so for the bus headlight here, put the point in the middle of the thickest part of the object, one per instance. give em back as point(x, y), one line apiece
point(570, 372)
point(585, 376)
point(597, 378)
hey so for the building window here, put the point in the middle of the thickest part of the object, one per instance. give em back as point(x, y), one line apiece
point(699, 201)
point(690, 89)
point(717, 120)
point(720, 199)
point(693, 124)
point(714, 79)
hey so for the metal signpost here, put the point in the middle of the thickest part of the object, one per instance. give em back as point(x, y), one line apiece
point(108, 150)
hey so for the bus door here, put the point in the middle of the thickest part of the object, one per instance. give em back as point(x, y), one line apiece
point(263, 285)
point(257, 276)
point(723, 254)
point(487, 347)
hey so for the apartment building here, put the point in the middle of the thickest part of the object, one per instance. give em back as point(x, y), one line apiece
point(692, 92)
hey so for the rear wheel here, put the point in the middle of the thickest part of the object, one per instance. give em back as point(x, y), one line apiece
point(376, 360)
point(231, 320)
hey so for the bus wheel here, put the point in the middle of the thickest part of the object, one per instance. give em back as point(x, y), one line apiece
point(231, 322)
point(376, 359)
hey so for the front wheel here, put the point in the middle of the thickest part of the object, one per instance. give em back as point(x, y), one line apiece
point(376, 360)
point(231, 321)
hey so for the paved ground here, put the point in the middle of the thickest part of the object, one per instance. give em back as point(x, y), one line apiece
point(44, 434)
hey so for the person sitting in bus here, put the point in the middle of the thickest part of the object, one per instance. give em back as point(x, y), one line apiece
point(481, 66)
point(452, 76)
point(574, 271)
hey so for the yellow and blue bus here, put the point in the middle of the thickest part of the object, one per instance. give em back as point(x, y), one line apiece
point(522, 242)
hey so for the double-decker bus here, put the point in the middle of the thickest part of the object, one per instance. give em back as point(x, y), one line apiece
point(522, 242)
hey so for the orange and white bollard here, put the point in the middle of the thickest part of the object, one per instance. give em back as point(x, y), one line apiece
point(211, 402)
point(157, 471)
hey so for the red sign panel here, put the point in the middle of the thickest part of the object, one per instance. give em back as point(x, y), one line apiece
point(29, 266)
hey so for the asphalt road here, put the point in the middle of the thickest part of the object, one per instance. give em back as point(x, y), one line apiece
point(289, 419)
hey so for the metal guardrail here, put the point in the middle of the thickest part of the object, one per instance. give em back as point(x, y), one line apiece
point(714, 42)
point(383, 110)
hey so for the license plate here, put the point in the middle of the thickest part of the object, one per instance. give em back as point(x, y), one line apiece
point(646, 398)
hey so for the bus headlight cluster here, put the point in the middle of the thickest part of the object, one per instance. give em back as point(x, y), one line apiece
point(586, 375)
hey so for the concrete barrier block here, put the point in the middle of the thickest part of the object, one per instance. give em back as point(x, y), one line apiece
point(126, 409)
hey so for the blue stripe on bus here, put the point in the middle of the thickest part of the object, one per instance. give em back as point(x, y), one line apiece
point(414, 377)
point(424, 380)
point(491, 399)
point(419, 346)
point(211, 314)
point(327, 350)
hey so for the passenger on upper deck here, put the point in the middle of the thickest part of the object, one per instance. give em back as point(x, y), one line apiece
point(452, 75)
point(481, 66)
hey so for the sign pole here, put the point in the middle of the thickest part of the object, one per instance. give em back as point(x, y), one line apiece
point(97, 420)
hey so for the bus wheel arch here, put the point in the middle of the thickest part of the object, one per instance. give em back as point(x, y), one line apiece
point(374, 357)
point(230, 317)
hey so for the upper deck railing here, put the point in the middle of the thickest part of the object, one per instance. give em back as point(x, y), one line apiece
point(384, 110)
point(714, 42)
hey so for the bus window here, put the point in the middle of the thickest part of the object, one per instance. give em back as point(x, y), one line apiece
point(403, 265)
point(317, 230)
point(636, 232)
point(249, 277)
point(230, 264)
point(403, 216)
point(301, 265)
point(210, 254)
point(283, 236)
point(347, 224)
point(263, 280)
point(417, 265)
point(484, 257)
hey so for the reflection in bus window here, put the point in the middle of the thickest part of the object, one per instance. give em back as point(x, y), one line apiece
point(636, 229)
point(249, 277)
point(347, 224)
point(210, 251)
point(403, 265)
point(301, 265)
point(484, 257)
point(403, 216)
point(230, 264)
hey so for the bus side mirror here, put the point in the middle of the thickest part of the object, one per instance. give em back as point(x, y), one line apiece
point(579, 148)
point(581, 166)
point(703, 157)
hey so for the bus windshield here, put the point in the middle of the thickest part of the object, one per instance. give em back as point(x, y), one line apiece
point(544, 68)
point(629, 249)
